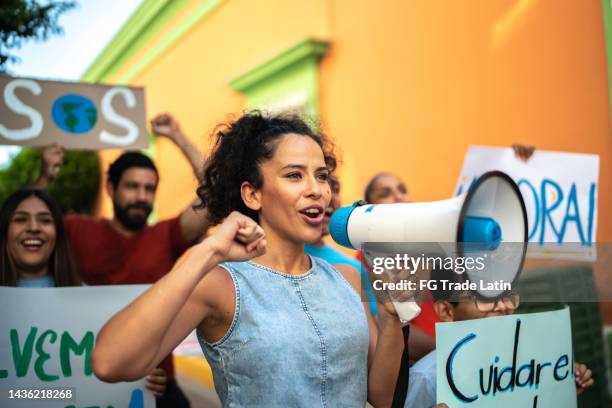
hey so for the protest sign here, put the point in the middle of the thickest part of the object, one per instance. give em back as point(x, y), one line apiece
point(510, 361)
point(47, 336)
point(560, 194)
point(75, 115)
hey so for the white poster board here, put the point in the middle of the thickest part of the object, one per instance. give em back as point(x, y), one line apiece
point(507, 362)
point(36, 112)
point(46, 339)
point(560, 194)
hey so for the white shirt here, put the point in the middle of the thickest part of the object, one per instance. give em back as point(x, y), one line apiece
point(422, 383)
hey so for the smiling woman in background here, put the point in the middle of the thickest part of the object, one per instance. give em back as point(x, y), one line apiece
point(35, 253)
point(34, 250)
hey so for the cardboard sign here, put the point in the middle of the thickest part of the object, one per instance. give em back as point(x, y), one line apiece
point(46, 339)
point(510, 361)
point(560, 193)
point(78, 116)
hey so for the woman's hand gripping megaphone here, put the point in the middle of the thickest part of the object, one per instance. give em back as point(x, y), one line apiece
point(396, 288)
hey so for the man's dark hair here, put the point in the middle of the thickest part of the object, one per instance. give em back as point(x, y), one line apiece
point(126, 161)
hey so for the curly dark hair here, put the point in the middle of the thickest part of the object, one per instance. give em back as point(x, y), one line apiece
point(239, 149)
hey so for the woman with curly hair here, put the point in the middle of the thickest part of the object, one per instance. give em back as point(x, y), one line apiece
point(278, 327)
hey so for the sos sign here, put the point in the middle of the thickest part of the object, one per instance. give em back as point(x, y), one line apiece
point(78, 116)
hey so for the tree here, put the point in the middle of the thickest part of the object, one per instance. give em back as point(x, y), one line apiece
point(22, 20)
point(75, 188)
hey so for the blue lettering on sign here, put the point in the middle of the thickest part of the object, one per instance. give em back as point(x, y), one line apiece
point(536, 201)
point(564, 202)
point(592, 201)
point(449, 370)
point(546, 210)
point(507, 378)
point(74, 114)
point(137, 399)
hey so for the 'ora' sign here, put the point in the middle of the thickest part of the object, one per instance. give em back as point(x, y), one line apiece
point(75, 115)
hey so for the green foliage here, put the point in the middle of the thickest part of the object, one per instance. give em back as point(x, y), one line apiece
point(23, 170)
point(22, 20)
point(75, 188)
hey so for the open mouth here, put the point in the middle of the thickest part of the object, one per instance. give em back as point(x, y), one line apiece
point(313, 215)
point(32, 244)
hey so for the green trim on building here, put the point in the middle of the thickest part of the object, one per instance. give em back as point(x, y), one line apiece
point(295, 88)
point(607, 16)
point(173, 36)
point(289, 80)
point(306, 49)
point(125, 41)
point(147, 21)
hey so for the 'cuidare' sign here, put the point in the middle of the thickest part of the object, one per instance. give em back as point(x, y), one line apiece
point(78, 116)
point(510, 361)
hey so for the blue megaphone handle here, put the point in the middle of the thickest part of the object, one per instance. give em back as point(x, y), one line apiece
point(483, 230)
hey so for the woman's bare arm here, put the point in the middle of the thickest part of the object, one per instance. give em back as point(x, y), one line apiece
point(137, 338)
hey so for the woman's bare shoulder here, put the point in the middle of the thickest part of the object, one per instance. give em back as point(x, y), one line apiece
point(351, 275)
point(215, 288)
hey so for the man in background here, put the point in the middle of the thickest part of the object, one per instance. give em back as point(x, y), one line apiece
point(125, 249)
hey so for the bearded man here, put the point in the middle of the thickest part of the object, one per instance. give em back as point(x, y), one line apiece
point(125, 249)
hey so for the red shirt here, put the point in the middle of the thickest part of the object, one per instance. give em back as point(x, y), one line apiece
point(105, 257)
point(427, 319)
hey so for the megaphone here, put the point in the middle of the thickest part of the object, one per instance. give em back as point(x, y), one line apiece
point(491, 214)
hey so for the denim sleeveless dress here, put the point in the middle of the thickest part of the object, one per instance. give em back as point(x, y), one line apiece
point(295, 341)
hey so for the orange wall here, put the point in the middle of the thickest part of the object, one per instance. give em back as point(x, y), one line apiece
point(192, 78)
point(406, 86)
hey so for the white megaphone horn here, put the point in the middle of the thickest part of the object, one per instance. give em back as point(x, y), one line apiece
point(492, 212)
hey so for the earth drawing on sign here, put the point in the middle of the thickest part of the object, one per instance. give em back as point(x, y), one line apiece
point(74, 113)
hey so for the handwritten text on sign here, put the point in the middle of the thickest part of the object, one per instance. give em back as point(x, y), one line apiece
point(79, 116)
point(559, 190)
point(46, 340)
point(511, 361)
